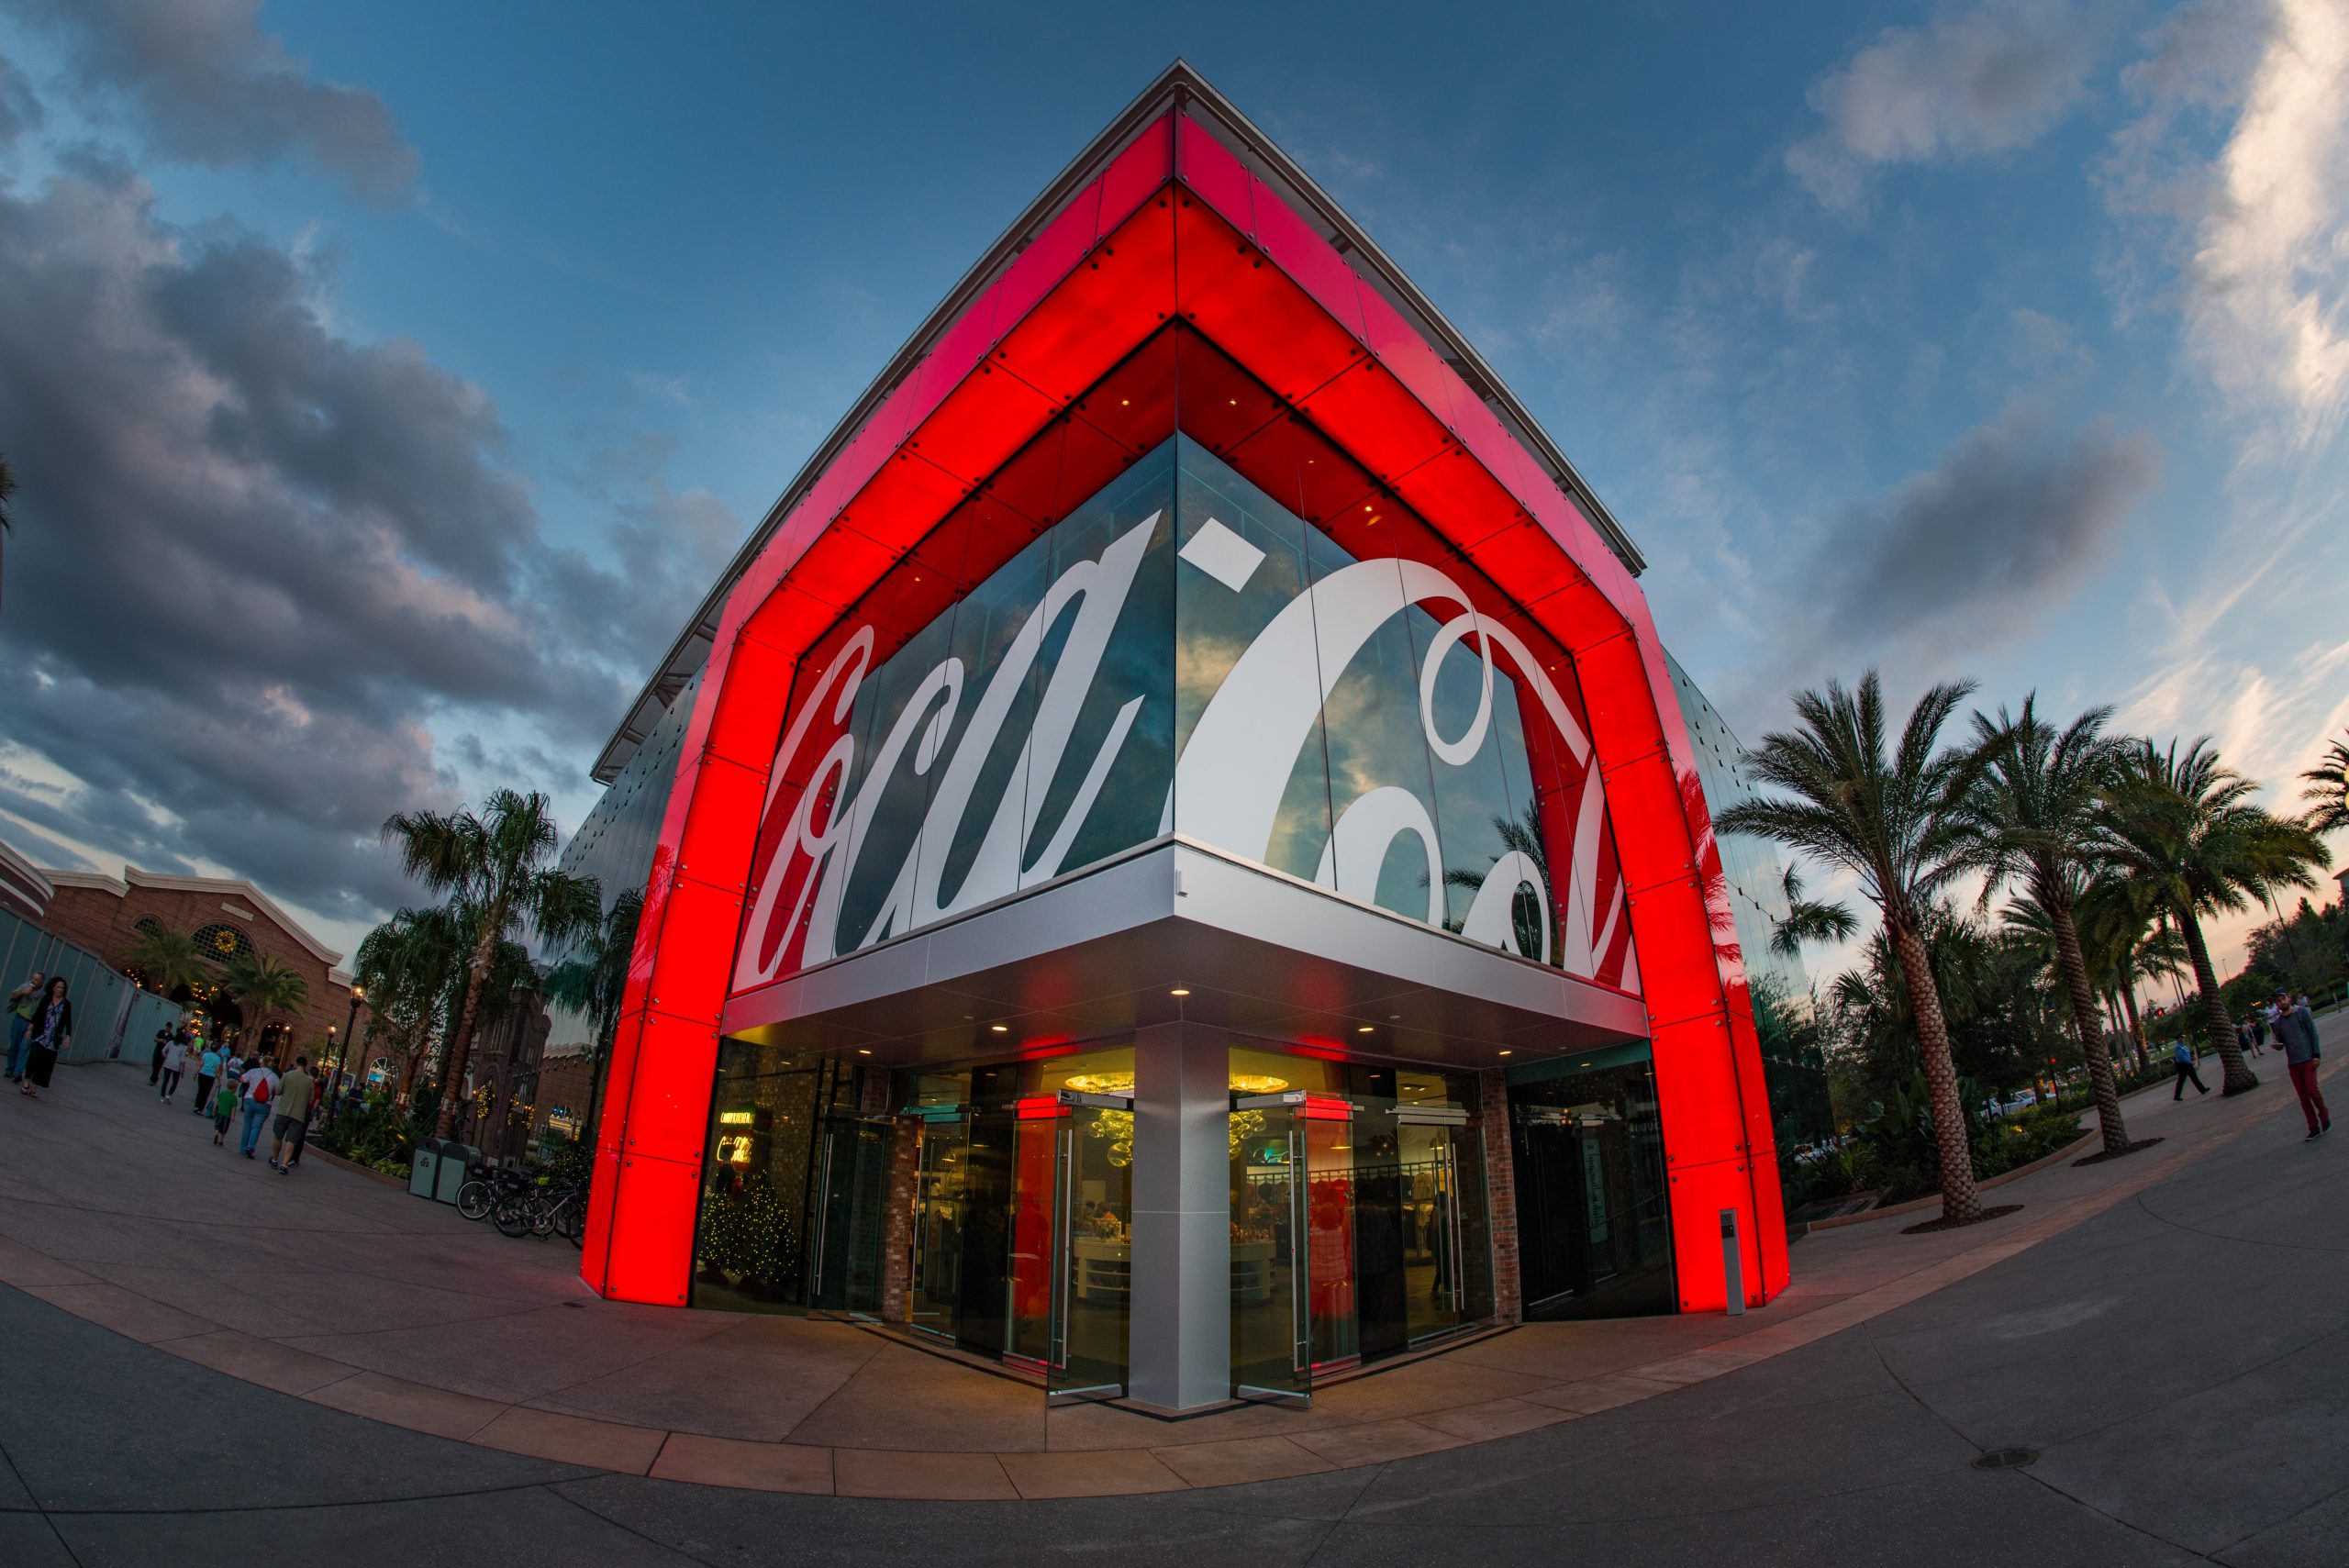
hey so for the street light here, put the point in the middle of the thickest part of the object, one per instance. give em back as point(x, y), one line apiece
point(342, 1058)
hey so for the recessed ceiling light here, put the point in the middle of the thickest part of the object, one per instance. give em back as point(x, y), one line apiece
point(1180, 991)
point(864, 1051)
point(1365, 1029)
point(1504, 1053)
point(1000, 1028)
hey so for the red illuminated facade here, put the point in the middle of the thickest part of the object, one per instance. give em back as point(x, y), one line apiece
point(1182, 280)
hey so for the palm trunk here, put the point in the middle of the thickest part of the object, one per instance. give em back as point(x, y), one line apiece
point(2091, 1027)
point(2136, 1024)
point(2235, 1076)
point(1960, 1203)
point(461, 1040)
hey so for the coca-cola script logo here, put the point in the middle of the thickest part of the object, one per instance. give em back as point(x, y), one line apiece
point(1230, 775)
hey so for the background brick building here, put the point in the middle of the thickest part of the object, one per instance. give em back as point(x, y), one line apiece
point(225, 915)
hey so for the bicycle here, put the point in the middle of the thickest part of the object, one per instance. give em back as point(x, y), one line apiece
point(546, 1207)
point(485, 1185)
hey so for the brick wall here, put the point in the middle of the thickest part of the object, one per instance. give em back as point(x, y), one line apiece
point(1491, 1121)
point(95, 917)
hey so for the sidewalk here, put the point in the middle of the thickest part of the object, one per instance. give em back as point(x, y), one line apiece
point(120, 1212)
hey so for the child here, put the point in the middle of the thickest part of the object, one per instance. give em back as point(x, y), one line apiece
point(224, 1109)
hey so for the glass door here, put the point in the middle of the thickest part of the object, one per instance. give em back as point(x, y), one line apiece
point(1443, 1221)
point(1272, 1336)
point(934, 1290)
point(1093, 1273)
point(853, 1187)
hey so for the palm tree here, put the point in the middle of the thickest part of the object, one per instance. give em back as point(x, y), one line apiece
point(493, 866)
point(2184, 829)
point(2327, 791)
point(2035, 813)
point(593, 979)
point(412, 965)
point(263, 985)
point(165, 960)
point(1898, 825)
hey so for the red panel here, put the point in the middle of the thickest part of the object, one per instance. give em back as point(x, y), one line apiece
point(1698, 1194)
point(988, 417)
point(668, 1112)
point(1033, 1156)
point(964, 347)
point(1116, 298)
point(722, 831)
point(596, 1247)
point(1405, 355)
point(1298, 248)
point(1203, 163)
point(746, 708)
point(654, 1205)
point(1454, 486)
point(612, 1119)
point(1365, 411)
point(1045, 260)
point(1134, 404)
point(1138, 173)
point(1251, 310)
point(903, 502)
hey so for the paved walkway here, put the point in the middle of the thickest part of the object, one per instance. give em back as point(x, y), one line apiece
point(120, 1213)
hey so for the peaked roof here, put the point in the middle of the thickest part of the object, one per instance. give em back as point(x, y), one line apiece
point(227, 886)
point(1177, 87)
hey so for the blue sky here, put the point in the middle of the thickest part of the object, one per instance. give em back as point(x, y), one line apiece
point(345, 350)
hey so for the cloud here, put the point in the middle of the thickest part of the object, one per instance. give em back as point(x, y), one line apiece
point(1965, 84)
point(256, 561)
point(1975, 549)
point(19, 111)
point(2258, 233)
point(206, 85)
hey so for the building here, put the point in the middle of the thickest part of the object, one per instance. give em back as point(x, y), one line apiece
point(228, 917)
point(1173, 860)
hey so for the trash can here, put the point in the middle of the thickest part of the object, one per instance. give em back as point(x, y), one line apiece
point(456, 1164)
point(424, 1164)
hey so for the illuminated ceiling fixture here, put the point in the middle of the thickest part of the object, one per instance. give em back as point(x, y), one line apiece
point(1504, 1053)
point(1180, 991)
point(864, 1051)
point(1000, 1028)
point(1365, 1029)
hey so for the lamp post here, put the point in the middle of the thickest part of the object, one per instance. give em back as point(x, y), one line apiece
point(342, 1058)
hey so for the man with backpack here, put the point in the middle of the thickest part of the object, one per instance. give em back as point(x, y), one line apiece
point(258, 1087)
point(292, 1117)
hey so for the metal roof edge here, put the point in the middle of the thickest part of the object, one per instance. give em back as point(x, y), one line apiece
point(1178, 86)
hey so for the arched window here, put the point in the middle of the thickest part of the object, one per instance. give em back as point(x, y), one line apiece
point(151, 927)
point(220, 942)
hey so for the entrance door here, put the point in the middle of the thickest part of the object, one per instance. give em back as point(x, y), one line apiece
point(1295, 1308)
point(1440, 1197)
point(941, 1211)
point(853, 1186)
point(1070, 1280)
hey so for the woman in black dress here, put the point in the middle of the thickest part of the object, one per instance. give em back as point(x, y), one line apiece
point(51, 1034)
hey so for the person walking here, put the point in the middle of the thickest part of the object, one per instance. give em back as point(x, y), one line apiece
point(155, 1062)
point(258, 1087)
point(2244, 1040)
point(175, 1064)
point(293, 1126)
point(51, 1035)
point(2296, 1037)
point(207, 1073)
point(2183, 1055)
point(22, 1003)
point(224, 1110)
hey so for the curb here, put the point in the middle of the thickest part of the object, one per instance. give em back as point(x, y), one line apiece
point(355, 1168)
point(1914, 1204)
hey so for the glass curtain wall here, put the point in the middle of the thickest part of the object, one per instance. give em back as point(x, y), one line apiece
point(768, 1124)
point(1593, 1223)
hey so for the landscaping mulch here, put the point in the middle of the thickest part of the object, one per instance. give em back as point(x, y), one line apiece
point(2101, 1155)
point(1930, 1226)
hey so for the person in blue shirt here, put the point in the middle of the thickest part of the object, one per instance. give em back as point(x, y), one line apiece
point(207, 1073)
point(2182, 1055)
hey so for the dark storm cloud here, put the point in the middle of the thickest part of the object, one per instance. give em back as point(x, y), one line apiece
point(19, 111)
point(206, 85)
point(1924, 577)
point(253, 558)
point(2007, 523)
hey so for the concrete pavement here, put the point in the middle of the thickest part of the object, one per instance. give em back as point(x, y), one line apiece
point(2174, 1354)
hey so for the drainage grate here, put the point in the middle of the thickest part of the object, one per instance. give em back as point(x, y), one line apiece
point(2006, 1458)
